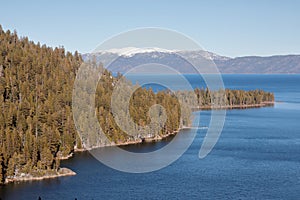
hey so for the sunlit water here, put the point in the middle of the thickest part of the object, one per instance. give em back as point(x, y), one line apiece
point(256, 157)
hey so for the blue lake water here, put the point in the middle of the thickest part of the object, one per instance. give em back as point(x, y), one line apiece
point(256, 157)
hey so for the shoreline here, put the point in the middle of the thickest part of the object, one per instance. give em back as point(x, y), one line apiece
point(26, 177)
point(158, 138)
point(230, 107)
point(140, 141)
point(68, 172)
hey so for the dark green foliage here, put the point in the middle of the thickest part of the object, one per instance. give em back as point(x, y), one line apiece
point(35, 105)
point(36, 120)
point(139, 108)
point(232, 98)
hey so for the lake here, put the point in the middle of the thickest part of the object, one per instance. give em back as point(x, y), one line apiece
point(256, 157)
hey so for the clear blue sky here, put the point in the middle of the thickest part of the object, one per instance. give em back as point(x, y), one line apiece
point(231, 28)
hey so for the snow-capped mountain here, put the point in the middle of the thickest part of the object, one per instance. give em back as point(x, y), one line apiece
point(126, 58)
point(131, 51)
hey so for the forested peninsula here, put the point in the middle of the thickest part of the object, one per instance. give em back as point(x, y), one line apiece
point(36, 122)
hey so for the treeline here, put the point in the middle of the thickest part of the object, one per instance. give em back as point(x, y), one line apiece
point(36, 125)
point(143, 118)
point(36, 120)
point(232, 98)
point(225, 99)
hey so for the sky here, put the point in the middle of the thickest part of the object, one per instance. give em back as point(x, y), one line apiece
point(231, 28)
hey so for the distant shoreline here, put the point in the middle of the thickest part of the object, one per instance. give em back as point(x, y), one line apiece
point(229, 107)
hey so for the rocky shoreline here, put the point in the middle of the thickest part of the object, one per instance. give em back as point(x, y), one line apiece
point(158, 137)
point(68, 172)
point(27, 177)
point(139, 141)
point(229, 107)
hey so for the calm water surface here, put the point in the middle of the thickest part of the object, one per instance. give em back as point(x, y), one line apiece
point(256, 157)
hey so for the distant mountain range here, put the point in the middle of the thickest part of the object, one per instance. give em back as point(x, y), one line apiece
point(126, 58)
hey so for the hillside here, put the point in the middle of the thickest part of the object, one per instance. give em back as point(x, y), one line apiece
point(36, 121)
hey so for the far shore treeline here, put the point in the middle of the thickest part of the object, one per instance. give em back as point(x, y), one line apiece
point(36, 121)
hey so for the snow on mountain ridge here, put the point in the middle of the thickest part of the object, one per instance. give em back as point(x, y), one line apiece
point(131, 51)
